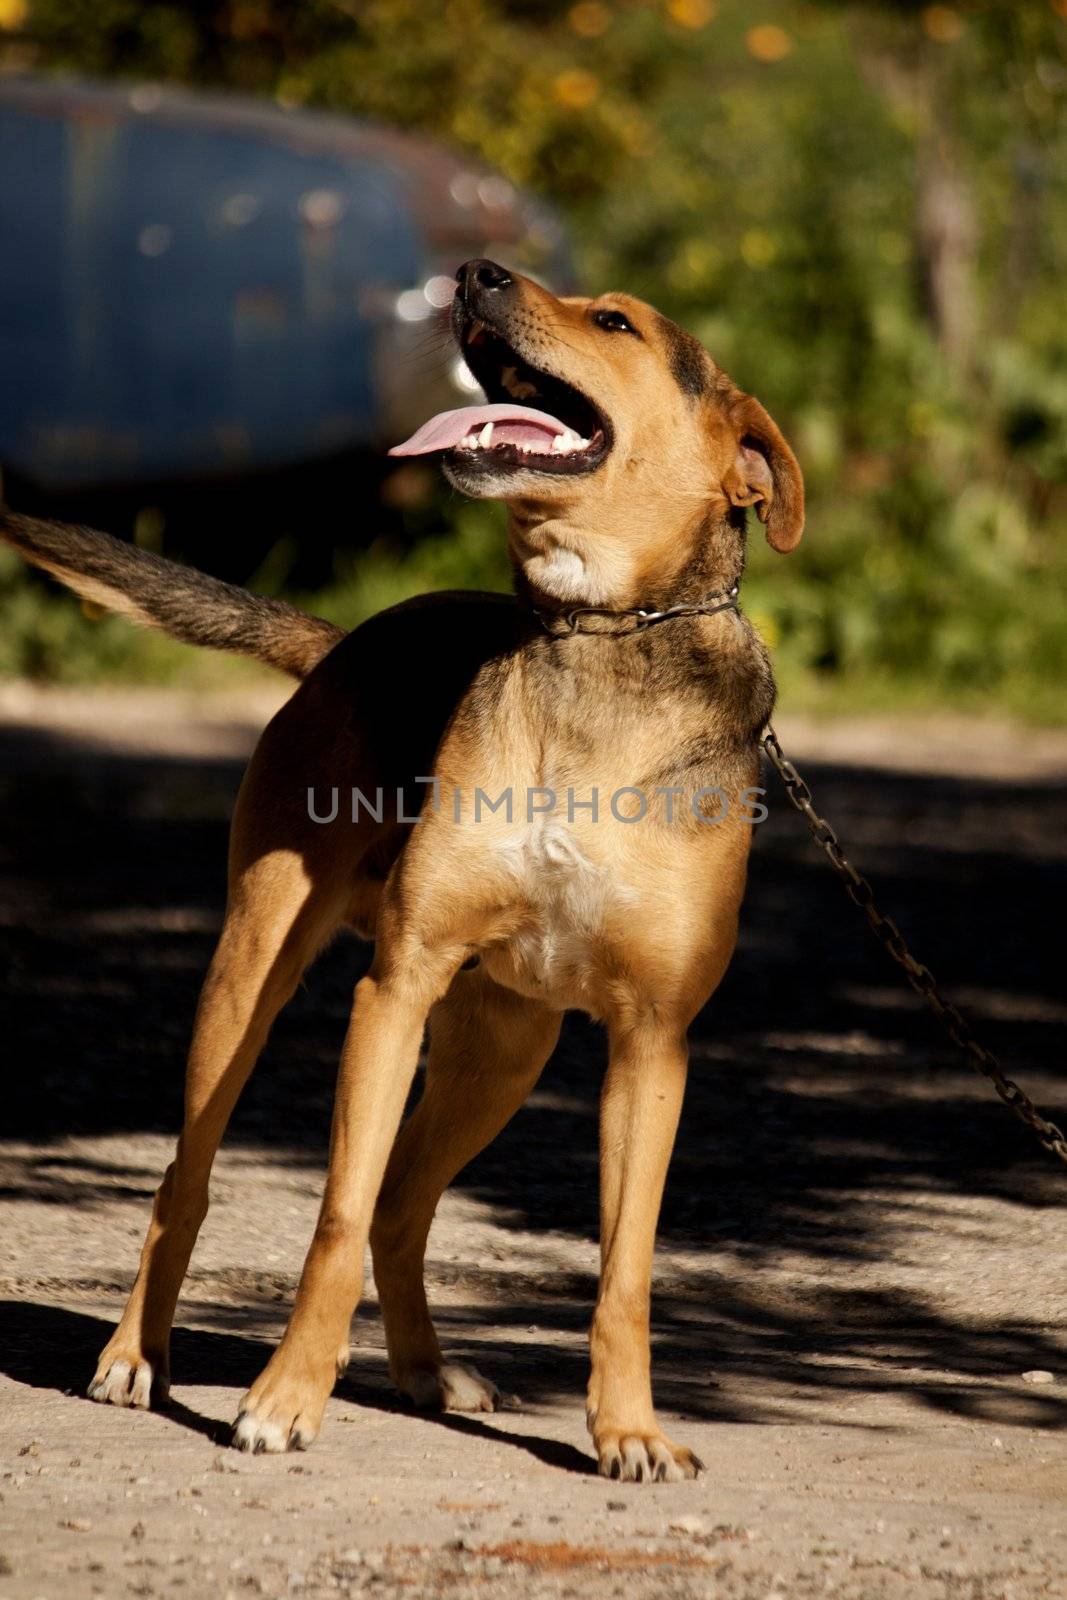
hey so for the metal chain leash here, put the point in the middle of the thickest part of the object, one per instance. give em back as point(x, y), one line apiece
point(892, 941)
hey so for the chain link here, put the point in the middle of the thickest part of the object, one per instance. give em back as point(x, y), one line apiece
point(892, 940)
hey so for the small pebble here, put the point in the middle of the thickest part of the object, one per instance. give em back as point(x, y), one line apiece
point(1039, 1376)
point(687, 1524)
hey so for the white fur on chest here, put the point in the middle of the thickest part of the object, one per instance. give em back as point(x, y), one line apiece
point(569, 897)
point(565, 575)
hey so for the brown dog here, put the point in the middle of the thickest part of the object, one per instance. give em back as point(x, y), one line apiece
point(609, 881)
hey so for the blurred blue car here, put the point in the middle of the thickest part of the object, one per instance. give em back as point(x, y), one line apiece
point(196, 283)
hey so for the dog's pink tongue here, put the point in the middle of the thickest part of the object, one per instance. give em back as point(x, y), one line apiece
point(512, 424)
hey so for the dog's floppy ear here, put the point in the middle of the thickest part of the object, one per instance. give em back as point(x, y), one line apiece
point(765, 474)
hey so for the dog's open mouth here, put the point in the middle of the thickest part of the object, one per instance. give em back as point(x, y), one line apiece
point(532, 421)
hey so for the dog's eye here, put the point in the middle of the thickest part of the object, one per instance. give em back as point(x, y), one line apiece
point(614, 322)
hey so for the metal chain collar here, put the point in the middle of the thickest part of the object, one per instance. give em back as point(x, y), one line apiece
point(892, 941)
point(586, 619)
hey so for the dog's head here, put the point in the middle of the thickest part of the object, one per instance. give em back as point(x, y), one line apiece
point(624, 453)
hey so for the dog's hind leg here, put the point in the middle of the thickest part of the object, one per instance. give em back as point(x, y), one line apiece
point(276, 921)
point(487, 1050)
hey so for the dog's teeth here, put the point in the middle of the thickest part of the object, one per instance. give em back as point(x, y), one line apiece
point(485, 438)
point(469, 443)
point(564, 444)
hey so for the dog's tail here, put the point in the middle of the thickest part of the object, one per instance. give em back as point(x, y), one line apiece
point(180, 601)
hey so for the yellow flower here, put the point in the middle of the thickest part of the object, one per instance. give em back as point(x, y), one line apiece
point(942, 24)
point(576, 88)
point(691, 13)
point(589, 19)
point(13, 13)
point(768, 42)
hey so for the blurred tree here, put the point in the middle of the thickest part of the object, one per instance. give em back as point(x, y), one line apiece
point(859, 204)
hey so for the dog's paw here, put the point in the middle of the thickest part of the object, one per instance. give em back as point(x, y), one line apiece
point(451, 1387)
point(259, 1435)
point(644, 1458)
point(278, 1414)
point(129, 1378)
point(266, 1429)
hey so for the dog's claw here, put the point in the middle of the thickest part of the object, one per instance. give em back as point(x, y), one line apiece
point(645, 1458)
point(260, 1436)
point(277, 1419)
point(453, 1387)
point(132, 1381)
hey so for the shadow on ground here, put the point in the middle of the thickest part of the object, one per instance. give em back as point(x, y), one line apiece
point(706, 1337)
point(816, 1075)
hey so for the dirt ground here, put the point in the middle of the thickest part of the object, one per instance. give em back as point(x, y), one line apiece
point(860, 1306)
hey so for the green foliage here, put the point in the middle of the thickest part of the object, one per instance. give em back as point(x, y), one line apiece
point(859, 207)
point(468, 554)
point(49, 635)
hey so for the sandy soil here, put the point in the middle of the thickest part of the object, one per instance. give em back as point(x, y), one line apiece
point(859, 1318)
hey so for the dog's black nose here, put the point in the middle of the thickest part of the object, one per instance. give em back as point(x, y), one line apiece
point(474, 277)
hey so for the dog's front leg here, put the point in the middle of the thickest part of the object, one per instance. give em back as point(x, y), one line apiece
point(283, 1409)
point(640, 1106)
